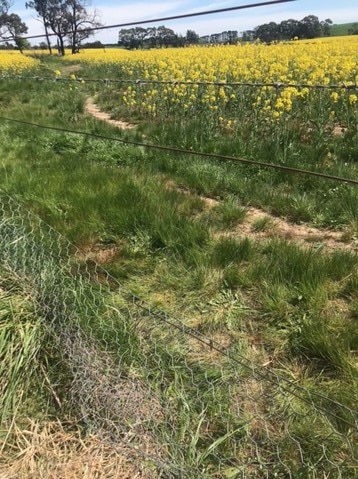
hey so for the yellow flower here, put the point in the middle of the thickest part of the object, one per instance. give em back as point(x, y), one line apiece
point(280, 104)
point(330, 61)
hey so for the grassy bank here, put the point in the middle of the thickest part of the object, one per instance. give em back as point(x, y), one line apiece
point(174, 230)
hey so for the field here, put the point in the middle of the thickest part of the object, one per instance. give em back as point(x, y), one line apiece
point(13, 62)
point(342, 28)
point(169, 314)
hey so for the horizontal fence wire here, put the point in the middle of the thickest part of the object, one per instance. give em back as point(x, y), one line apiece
point(191, 152)
point(187, 405)
point(107, 81)
point(156, 20)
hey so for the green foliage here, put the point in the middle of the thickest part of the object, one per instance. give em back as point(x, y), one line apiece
point(226, 214)
point(230, 251)
point(342, 29)
point(309, 27)
point(21, 337)
point(292, 309)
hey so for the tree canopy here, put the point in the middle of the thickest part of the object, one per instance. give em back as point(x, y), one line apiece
point(11, 26)
point(309, 27)
point(153, 37)
point(69, 20)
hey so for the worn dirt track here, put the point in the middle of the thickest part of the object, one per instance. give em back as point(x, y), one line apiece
point(93, 110)
point(302, 234)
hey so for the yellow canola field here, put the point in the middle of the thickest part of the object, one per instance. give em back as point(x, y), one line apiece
point(14, 62)
point(325, 61)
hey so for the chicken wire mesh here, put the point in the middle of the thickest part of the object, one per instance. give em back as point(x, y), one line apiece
point(187, 406)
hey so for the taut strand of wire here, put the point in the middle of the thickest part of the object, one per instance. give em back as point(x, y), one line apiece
point(108, 81)
point(171, 149)
point(162, 19)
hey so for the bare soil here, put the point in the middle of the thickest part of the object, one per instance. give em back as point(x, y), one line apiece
point(278, 227)
point(99, 253)
point(298, 233)
point(93, 110)
point(71, 69)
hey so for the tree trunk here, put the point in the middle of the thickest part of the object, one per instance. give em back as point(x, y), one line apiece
point(61, 47)
point(74, 48)
point(47, 38)
point(73, 28)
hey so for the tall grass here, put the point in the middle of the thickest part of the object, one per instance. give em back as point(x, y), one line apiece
point(22, 389)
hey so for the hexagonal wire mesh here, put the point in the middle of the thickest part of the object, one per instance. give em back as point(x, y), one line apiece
point(186, 405)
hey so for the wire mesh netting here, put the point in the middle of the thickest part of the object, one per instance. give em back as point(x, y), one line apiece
point(187, 406)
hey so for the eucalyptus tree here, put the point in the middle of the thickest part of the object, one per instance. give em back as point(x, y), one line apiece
point(4, 6)
point(41, 7)
point(67, 19)
point(11, 26)
point(82, 22)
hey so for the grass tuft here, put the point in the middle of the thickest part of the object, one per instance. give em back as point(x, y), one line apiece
point(229, 251)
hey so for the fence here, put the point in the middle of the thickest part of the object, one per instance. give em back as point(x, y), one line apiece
point(225, 84)
point(187, 405)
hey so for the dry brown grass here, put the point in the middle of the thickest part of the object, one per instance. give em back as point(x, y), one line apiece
point(48, 451)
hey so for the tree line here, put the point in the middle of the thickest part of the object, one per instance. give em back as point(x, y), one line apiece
point(66, 19)
point(154, 37)
point(69, 21)
point(309, 27)
point(353, 30)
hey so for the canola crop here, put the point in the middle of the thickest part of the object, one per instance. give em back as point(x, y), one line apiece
point(332, 61)
point(13, 62)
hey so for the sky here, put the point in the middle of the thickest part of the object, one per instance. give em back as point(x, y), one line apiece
point(121, 11)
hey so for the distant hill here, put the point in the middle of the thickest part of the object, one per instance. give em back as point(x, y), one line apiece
point(341, 29)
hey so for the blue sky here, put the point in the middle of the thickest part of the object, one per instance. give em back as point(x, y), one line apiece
point(120, 11)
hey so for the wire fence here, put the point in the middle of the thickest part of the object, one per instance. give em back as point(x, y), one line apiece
point(230, 112)
point(189, 406)
point(191, 152)
point(225, 84)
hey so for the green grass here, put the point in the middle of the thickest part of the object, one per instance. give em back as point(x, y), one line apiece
point(263, 224)
point(275, 302)
point(341, 29)
point(22, 380)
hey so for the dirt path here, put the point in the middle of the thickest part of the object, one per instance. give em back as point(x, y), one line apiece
point(71, 69)
point(93, 110)
point(301, 234)
point(274, 227)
